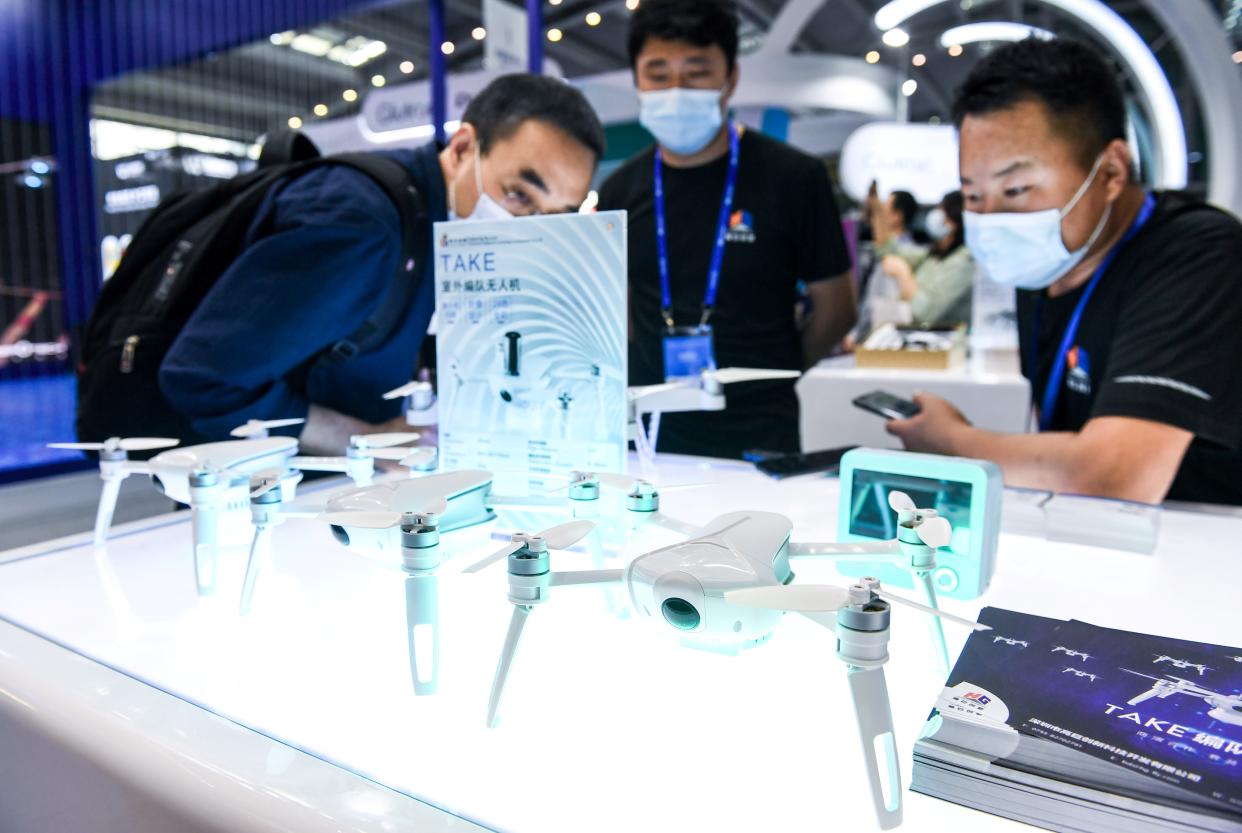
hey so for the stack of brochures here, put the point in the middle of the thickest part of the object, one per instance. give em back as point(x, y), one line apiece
point(1070, 726)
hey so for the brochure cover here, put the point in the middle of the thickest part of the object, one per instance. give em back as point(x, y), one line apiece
point(1168, 709)
point(531, 343)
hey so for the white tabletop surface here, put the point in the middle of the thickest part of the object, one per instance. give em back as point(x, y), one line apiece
point(609, 724)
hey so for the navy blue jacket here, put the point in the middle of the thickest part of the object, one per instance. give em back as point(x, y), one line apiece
point(320, 255)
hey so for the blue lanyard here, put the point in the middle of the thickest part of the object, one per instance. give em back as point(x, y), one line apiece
point(1053, 390)
point(722, 228)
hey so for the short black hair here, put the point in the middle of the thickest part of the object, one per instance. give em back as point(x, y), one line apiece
point(698, 22)
point(504, 105)
point(1071, 79)
point(906, 205)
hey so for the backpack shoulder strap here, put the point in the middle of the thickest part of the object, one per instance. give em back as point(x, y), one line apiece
point(394, 179)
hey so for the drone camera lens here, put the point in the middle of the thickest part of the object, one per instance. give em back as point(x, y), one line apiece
point(339, 533)
point(680, 614)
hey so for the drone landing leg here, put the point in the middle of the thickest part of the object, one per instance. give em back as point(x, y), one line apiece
point(203, 521)
point(422, 627)
point(879, 746)
point(516, 624)
point(260, 556)
point(107, 506)
point(927, 592)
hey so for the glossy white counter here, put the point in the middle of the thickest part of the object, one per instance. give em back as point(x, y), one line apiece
point(609, 724)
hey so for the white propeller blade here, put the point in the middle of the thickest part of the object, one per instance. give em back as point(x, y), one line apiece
point(382, 440)
point(404, 390)
point(259, 427)
point(935, 532)
point(502, 553)
point(127, 444)
point(966, 623)
point(566, 535)
point(901, 502)
point(417, 457)
point(729, 375)
point(641, 391)
point(362, 520)
point(398, 452)
point(806, 598)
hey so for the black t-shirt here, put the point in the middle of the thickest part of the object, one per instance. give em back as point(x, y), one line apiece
point(783, 228)
point(1160, 339)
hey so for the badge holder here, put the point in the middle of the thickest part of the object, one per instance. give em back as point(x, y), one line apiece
point(688, 352)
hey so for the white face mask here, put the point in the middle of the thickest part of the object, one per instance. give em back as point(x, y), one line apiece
point(1025, 249)
point(937, 224)
point(681, 119)
point(485, 208)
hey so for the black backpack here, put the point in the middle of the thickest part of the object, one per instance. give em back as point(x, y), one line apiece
point(174, 260)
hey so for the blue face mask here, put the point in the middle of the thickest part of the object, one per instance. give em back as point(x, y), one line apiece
point(1025, 249)
point(682, 120)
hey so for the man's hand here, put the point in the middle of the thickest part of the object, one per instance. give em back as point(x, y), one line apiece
point(327, 432)
point(935, 429)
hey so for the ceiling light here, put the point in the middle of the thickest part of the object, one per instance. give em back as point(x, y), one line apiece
point(350, 95)
point(378, 81)
point(631, 4)
point(555, 35)
point(554, 2)
point(919, 59)
point(311, 45)
point(40, 167)
point(295, 122)
point(908, 88)
point(955, 50)
point(407, 67)
point(321, 110)
point(898, 12)
point(992, 31)
point(447, 47)
point(872, 57)
point(895, 38)
point(593, 18)
point(478, 33)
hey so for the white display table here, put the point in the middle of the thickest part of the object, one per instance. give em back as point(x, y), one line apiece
point(608, 725)
point(995, 399)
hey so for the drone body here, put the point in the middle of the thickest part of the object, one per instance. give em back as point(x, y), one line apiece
point(240, 458)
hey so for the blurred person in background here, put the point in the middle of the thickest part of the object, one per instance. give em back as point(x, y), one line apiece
point(937, 283)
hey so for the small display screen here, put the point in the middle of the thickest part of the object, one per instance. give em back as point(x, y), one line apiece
point(872, 517)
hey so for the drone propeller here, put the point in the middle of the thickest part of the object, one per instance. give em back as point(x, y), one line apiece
point(382, 440)
point(390, 452)
point(121, 444)
point(729, 375)
point(640, 391)
point(417, 457)
point(901, 502)
point(259, 427)
point(267, 480)
point(404, 390)
point(933, 530)
point(824, 598)
point(555, 538)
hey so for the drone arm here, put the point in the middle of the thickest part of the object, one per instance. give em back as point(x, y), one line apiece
point(879, 746)
point(579, 577)
point(673, 524)
point(674, 398)
point(512, 638)
point(886, 551)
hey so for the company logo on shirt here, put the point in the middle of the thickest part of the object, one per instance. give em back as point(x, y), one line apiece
point(1079, 377)
point(741, 227)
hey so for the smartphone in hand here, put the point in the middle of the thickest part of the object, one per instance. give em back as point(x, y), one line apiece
point(882, 403)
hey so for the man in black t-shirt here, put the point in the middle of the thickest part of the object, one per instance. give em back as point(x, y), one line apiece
point(1129, 303)
point(781, 227)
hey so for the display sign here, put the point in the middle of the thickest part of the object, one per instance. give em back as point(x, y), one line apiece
point(531, 343)
point(919, 158)
point(504, 48)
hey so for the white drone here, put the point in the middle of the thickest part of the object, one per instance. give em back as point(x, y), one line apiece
point(705, 393)
point(1084, 656)
point(1181, 664)
point(726, 589)
point(1227, 708)
point(404, 518)
point(1069, 669)
point(1015, 642)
